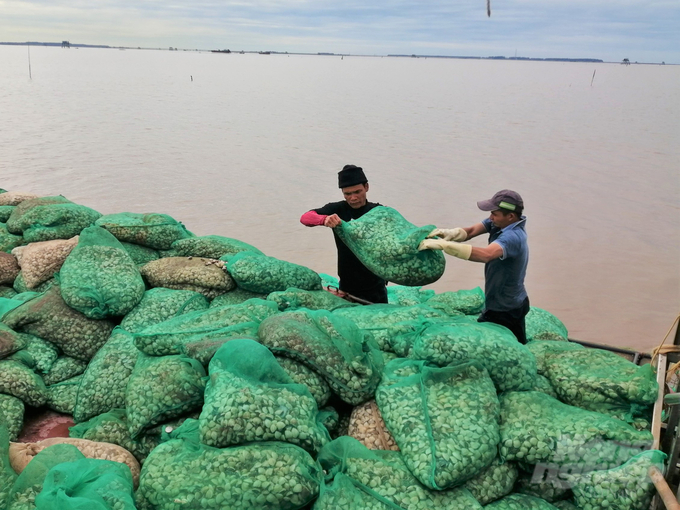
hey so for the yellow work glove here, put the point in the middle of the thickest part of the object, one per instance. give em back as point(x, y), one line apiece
point(462, 251)
point(449, 234)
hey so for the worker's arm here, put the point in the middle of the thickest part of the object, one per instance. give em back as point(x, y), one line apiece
point(464, 251)
point(487, 253)
point(475, 230)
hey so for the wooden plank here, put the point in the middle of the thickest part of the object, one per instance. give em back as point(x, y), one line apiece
point(658, 406)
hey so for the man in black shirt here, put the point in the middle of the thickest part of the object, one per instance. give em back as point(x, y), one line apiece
point(355, 278)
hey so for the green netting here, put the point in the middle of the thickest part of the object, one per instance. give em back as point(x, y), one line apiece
point(565, 505)
point(61, 397)
point(158, 305)
point(54, 221)
point(344, 494)
point(41, 261)
point(7, 292)
point(5, 212)
point(330, 418)
point(39, 354)
point(99, 278)
point(9, 268)
point(603, 381)
point(50, 318)
point(543, 385)
point(520, 502)
point(212, 247)
point(211, 324)
point(64, 367)
point(21, 287)
point(259, 273)
point(206, 276)
point(162, 388)
point(12, 416)
point(468, 302)
point(445, 420)
point(104, 382)
point(384, 476)
point(332, 346)
point(15, 221)
point(235, 297)
point(542, 325)
point(265, 476)
point(494, 482)
point(627, 487)
point(292, 299)
point(510, 364)
point(543, 350)
point(30, 482)
point(537, 484)
point(301, 374)
point(10, 341)
point(407, 296)
point(7, 474)
point(386, 322)
point(536, 428)
point(249, 398)
point(202, 350)
point(387, 244)
point(87, 484)
point(157, 231)
point(18, 380)
point(140, 255)
point(329, 281)
point(8, 241)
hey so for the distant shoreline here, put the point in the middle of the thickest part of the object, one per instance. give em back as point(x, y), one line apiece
point(326, 54)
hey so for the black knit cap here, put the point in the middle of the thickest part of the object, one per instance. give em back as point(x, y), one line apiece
point(351, 175)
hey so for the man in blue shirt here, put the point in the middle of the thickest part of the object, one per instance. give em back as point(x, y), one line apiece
point(505, 258)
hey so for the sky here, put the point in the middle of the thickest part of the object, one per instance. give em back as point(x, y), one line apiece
point(611, 30)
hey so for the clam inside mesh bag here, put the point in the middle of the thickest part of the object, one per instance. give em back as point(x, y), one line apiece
point(384, 477)
point(105, 380)
point(542, 325)
point(206, 276)
point(235, 297)
point(202, 350)
point(520, 502)
point(445, 420)
point(627, 487)
point(14, 222)
point(39, 354)
point(266, 476)
point(9, 268)
point(543, 350)
point(157, 231)
point(49, 317)
point(99, 278)
point(302, 374)
point(61, 397)
point(494, 482)
point(160, 304)
point(18, 380)
point(259, 273)
point(332, 346)
point(162, 388)
point(249, 397)
point(538, 429)
point(212, 324)
point(7, 475)
point(39, 261)
point(367, 426)
point(407, 296)
point(213, 247)
point(8, 241)
point(12, 415)
point(510, 364)
point(387, 244)
point(292, 299)
point(468, 302)
point(53, 221)
point(10, 340)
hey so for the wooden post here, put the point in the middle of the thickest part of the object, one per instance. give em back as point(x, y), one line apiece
point(663, 489)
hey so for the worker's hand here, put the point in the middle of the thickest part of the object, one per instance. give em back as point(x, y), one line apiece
point(449, 234)
point(460, 250)
point(332, 221)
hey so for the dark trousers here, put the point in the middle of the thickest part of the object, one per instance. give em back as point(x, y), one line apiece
point(511, 319)
point(377, 294)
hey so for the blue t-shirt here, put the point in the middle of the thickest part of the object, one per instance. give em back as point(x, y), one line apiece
point(504, 277)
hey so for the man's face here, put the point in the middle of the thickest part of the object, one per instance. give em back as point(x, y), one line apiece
point(501, 220)
point(356, 195)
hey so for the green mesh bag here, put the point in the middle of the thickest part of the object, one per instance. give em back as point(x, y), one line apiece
point(206, 276)
point(10, 341)
point(211, 324)
point(259, 273)
point(9, 241)
point(293, 299)
point(544, 350)
point(99, 278)
point(29, 484)
point(7, 292)
point(301, 374)
point(387, 244)
point(383, 476)
point(542, 325)
point(212, 247)
point(12, 416)
point(105, 380)
point(468, 302)
point(543, 385)
point(329, 281)
point(18, 380)
point(15, 221)
point(54, 221)
point(157, 231)
point(332, 346)
point(520, 502)
point(140, 255)
point(565, 505)
point(5, 212)
point(445, 420)
point(263, 476)
point(537, 429)
point(87, 484)
point(21, 287)
point(387, 322)
point(494, 482)
point(343, 494)
point(50, 318)
point(536, 484)
point(39, 354)
point(627, 487)
point(65, 367)
point(250, 398)
point(160, 304)
point(61, 397)
point(603, 381)
point(7, 474)
point(202, 350)
point(510, 364)
point(401, 295)
point(235, 297)
point(7, 305)
point(162, 388)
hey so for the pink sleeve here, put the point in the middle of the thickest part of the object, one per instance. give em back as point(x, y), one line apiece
point(312, 219)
